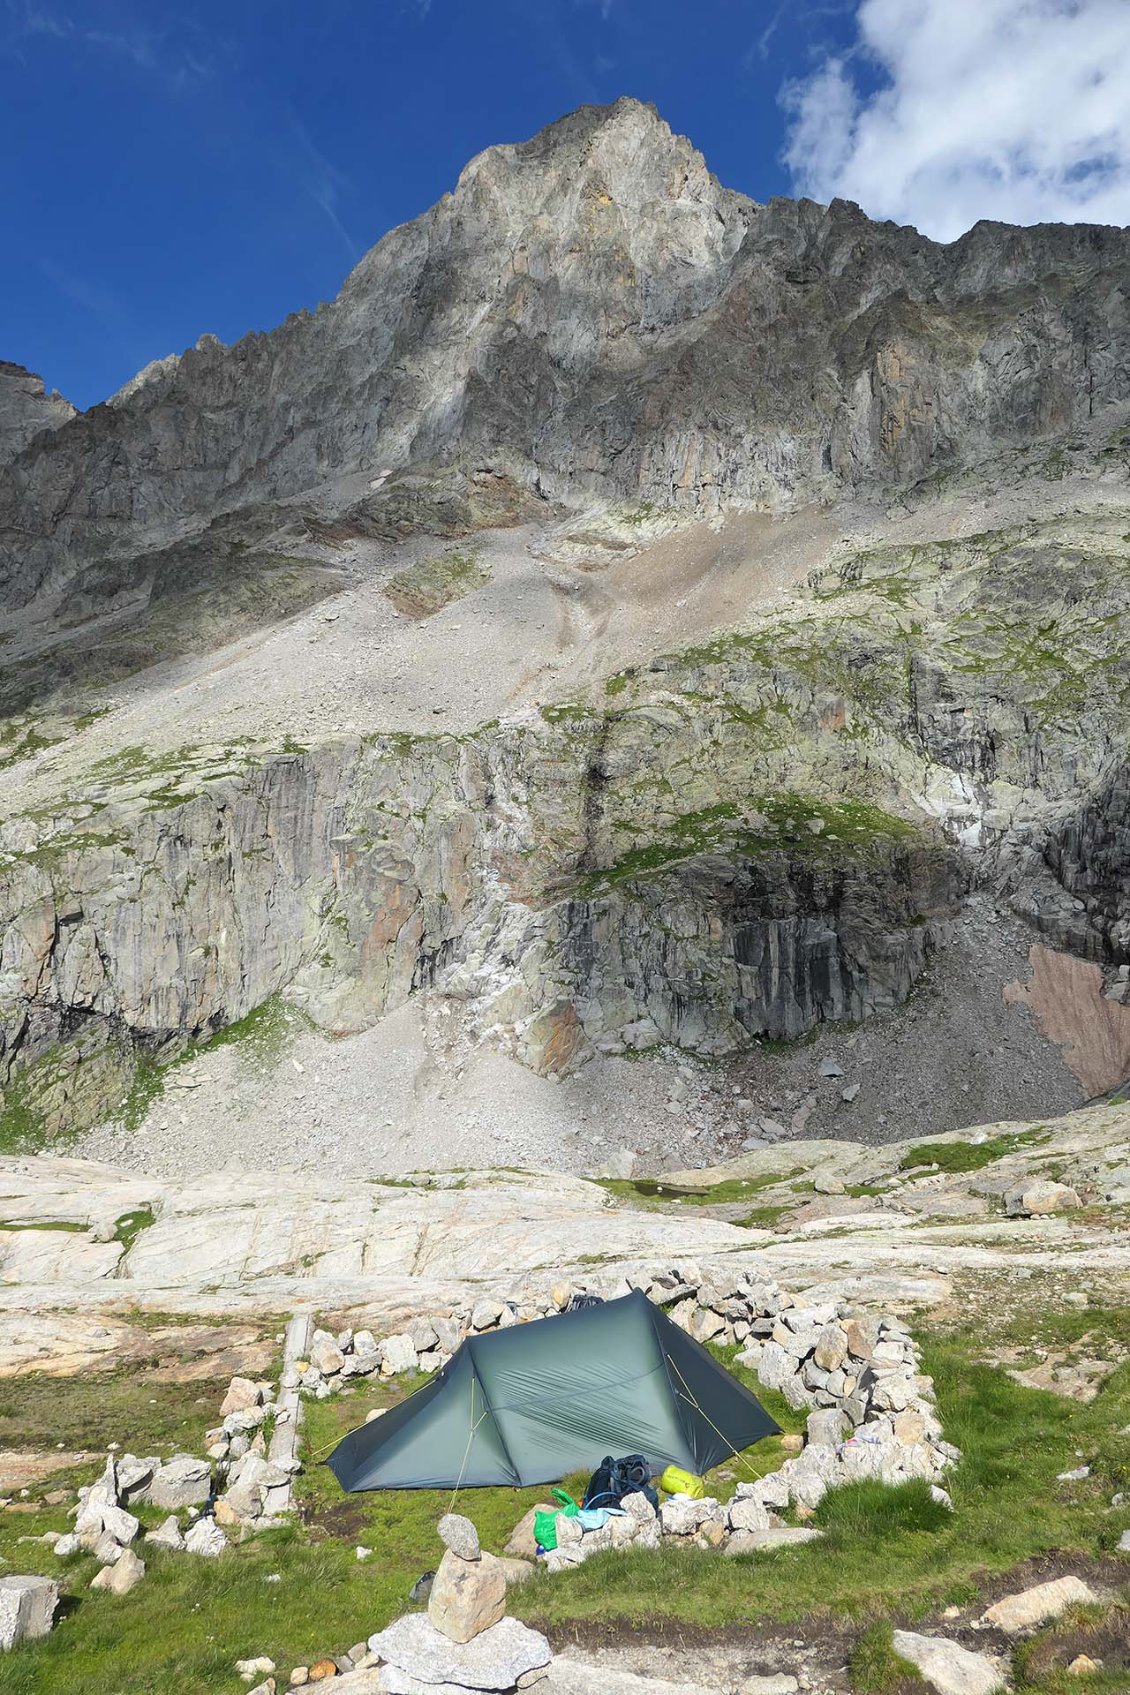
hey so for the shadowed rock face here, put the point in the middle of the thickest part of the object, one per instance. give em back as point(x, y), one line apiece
point(720, 948)
point(593, 310)
point(26, 409)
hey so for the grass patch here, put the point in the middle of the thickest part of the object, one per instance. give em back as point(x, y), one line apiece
point(72, 1226)
point(95, 1408)
point(1102, 1633)
point(130, 1226)
point(869, 1510)
point(877, 1670)
point(800, 826)
point(425, 588)
point(970, 1156)
point(731, 1189)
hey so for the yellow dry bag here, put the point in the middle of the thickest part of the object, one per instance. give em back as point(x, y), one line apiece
point(676, 1481)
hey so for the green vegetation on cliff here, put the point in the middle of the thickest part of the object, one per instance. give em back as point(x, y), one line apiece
point(797, 826)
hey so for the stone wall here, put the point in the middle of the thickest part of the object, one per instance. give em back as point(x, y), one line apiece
point(873, 1413)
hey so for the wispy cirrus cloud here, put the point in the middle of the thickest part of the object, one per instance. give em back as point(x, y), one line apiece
point(323, 183)
point(160, 53)
point(1016, 110)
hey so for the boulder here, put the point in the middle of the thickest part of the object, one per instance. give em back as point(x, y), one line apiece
point(493, 1660)
point(182, 1482)
point(260, 1666)
point(831, 1348)
point(326, 1356)
point(27, 1609)
point(134, 1477)
point(206, 1539)
point(775, 1366)
point(568, 1530)
point(947, 1667)
point(424, 1335)
point(106, 1551)
point(680, 1516)
point(242, 1394)
point(468, 1596)
point(449, 1334)
point(485, 1314)
point(122, 1576)
point(770, 1683)
point(706, 1324)
point(1031, 1607)
point(167, 1535)
point(459, 1535)
point(397, 1354)
point(104, 1493)
point(517, 1571)
point(772, 1490)
point(1036, 1196)
point(826, 1428)
point(122, 1526)
point(747, 1514)
point(860, 1338)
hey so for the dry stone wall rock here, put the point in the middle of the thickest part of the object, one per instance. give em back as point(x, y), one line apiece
point(873, 1417)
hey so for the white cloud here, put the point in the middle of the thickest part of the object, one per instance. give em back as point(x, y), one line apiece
point(1010, 109)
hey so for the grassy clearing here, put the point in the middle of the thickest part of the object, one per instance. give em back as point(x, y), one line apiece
point(885, 1554)
point(971, 1156)
point(92, 1410)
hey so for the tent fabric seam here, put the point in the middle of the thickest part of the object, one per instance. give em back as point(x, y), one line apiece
point(476, 1378)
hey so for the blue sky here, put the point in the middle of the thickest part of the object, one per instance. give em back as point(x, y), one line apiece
point(175, 169)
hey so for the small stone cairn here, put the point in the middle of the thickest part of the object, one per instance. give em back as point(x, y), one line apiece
point(872, 1409)
point(465, 1641)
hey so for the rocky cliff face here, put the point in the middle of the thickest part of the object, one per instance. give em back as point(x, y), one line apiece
point(593, 311)
point(726, 846)
point(26, 409)
point(738, 837)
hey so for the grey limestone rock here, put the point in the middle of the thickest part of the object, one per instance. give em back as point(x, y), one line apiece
point(493, 1660)
point(947, 1667)
point(27, 1609)
point(182, 1482)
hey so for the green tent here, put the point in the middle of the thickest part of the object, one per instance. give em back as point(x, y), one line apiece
point(536, 1401)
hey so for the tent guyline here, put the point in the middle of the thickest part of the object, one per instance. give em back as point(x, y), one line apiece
point(530, 1404)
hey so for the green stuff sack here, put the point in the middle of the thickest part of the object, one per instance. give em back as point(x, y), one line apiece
point(676, 1481)
point(545, 1523)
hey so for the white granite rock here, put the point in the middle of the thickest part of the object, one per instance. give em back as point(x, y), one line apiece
point(947, 1667)
point(493, 1660)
